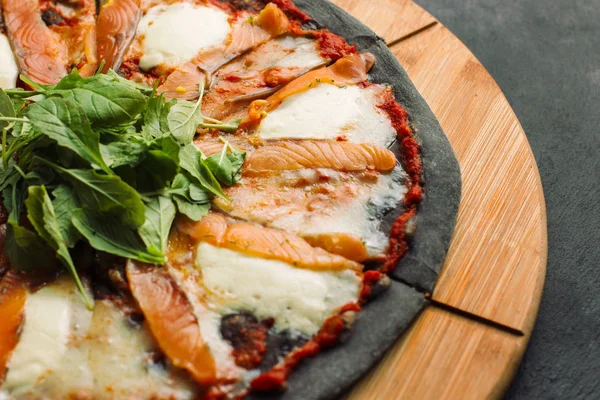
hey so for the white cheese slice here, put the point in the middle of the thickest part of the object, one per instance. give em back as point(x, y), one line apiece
point(9, 72)
point(298, 299)
point(328, 112)
point(176, 33)
point(304, 53)
point(361, 218)
point(43, 341)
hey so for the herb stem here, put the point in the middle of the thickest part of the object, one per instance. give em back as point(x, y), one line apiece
point(4, 158)
point(13, 119)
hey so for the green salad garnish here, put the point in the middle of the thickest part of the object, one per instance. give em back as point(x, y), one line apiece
point(104, 161)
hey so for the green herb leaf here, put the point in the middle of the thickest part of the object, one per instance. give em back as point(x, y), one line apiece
point(156, 172)
point(183, 120)
point(195, 212)
point(155, 117)
point(64, 203)
point(66, 122)
point(106, 100)
point(26, 250)
point(160, 214)
point(226, 166)
point(6, 109)
point(109, 234)
point(128, 151)
point(190, 161)
point(40, 212)
point(105, 194)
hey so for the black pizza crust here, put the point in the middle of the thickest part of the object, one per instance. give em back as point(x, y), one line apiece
point(436, 215)
point(382, 321)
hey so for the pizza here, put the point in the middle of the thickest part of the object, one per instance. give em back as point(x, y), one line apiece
point(209, 199)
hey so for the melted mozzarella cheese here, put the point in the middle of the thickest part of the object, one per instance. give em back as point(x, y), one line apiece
point(304, 53)
point(298, 299)
point(329, 112)
point(8, 66)
point(51, 314)
point(176, 33)
point(363, 217)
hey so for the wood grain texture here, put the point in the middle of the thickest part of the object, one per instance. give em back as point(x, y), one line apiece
point(390, 19)
point(445, 356)
point(496, 264)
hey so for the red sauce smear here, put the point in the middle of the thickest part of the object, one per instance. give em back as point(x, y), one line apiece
point(332, 46)
point(276, 378)
point(411, 160)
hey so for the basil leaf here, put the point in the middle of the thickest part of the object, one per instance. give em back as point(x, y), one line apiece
point(106, 100)
point(160, 213)
point(64, 203)
point(40, 212)
point(105, 194)
point(189, 160)
point(193, 211)
point(66, 122)
point(183, 120)
point(107, 233)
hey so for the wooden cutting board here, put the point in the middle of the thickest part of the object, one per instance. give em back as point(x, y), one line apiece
point(469, 343)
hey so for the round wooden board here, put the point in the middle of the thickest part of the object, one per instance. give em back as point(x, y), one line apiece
point(469, 342)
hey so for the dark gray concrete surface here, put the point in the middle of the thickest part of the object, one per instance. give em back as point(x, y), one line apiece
point(545, 55)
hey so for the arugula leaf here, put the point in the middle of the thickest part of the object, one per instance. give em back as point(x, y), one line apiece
point(6, 109)
point(193, 211)
point(64, 203)
point(109, 234)
point(24, 248)
point(106, 100)
point(106, 194)
point(160, 214)
point(156, 172)
point(66, 122)
point(40, 212)
point(183, 120)
point(226, 166)
point(128, 151)
point(155, 117)
point(190, 161)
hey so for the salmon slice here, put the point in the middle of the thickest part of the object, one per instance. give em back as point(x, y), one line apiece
point(39, 52)
point(348, 70)
point(171, 319)
point(273, 244)
point(339, 156)
point(75, 24)
point(116, 27)
point(13, 294)
point(248, 31)
point(261, 72)
point(346, 245)
point(213, 145)
point(319, 201)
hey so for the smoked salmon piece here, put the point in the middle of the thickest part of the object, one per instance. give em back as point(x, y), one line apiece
point(261, 72)
point(348, 70)
point(248, 31)
point(116, 26)
point(38, 50)
point(13, 294)
point(171, 319)
point(346, 245)
point(301, 154)
point(265, 243)
point(51, 37)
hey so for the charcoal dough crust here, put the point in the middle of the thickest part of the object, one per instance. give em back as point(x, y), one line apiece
point(436, 215)
point(383, 321)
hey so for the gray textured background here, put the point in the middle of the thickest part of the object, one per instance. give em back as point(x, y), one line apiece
point(545, 55)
